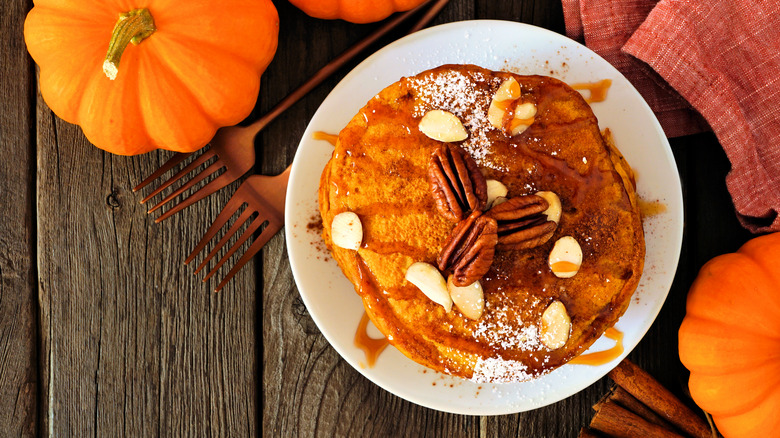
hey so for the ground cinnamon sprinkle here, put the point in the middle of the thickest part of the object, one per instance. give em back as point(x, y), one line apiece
point(315, 224)
point(315, 227)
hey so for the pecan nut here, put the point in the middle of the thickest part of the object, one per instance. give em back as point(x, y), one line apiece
point(457, 184)
point(522, 223)
point(469, 250)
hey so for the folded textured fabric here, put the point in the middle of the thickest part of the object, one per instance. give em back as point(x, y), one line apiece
point(722, 57)
point(605, 26)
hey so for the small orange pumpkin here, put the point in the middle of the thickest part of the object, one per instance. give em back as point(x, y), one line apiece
point(730, 339)
point(355, 11)
point(193, 67)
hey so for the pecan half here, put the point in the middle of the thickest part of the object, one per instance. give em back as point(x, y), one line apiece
point(522, 223)
point(469, 250)
point(456, 182)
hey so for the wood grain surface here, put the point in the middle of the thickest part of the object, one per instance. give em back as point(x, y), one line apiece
point(104, 331)
point(18, 312)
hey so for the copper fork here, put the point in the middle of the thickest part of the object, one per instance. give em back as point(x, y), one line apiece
point(233, 146)
point(234, 149)
point(263, 196)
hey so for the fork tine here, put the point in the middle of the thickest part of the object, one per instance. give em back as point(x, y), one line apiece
point(190, 167)
point(213, 167)
point(216, 184)
point(256, 246)
point(230, 208)
point(177, 158)
point(233, 229)
point(256, 223)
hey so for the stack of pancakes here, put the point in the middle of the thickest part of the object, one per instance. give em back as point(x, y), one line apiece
point(379, 171)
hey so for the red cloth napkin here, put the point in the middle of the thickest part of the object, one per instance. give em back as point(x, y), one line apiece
point(722, 57)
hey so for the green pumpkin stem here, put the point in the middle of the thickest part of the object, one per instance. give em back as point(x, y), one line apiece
point(132, 27)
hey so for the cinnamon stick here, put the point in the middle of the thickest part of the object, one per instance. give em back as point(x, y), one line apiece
point(646, 389)
point(628, 401)
point(619, 422)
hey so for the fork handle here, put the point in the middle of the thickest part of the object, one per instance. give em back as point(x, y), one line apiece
point(285, 175)
point(339, 62)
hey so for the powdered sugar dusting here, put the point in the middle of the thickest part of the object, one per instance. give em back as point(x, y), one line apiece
point(452, 91)
point(499, 331)
point(506, 332)
point(458, 93)
point(497, 370)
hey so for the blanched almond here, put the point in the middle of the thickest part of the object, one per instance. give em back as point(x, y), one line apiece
point(565, 258)
point(556, 326)
point(495, 189)
point(442, 126)
point(522, 119)
point(499, 200)
point(346, 230)
point(507, 92)
point(517, 128)
point(496, 113)
point(554, 210)
point(430, 282)
point(525, 110)
point(469, 299)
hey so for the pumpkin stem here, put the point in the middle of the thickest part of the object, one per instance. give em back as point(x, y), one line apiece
point(132, 27)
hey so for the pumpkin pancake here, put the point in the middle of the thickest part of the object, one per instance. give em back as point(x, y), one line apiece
point(380, 171)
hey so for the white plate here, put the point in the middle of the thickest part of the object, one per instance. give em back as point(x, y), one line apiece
point(330, 298)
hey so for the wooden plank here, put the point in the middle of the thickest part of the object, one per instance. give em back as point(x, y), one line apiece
point(546, 14)
point(717, 229)
point(18, 334)
point(308, 390)
point(132, 343)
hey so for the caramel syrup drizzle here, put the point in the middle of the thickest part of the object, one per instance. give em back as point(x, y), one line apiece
point(321, 135)
point(602, 357)
point(564, 266)
point(597, 90)
point(372, 347)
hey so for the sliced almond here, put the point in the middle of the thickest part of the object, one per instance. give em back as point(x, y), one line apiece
point(508, 90)
point(565, 258)
point(442, 126)
point(517, 128)
point(525, 110)
point(346, 230)
point(522, 119)
point(506, 93)
point(469, 299)
point(495, 190)
point(499, 200)
point(430, 282)
point(522, 115)
point(496, 113)
point(556, 326)
point(554, 210)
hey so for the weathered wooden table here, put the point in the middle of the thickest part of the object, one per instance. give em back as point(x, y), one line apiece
point(103, 330)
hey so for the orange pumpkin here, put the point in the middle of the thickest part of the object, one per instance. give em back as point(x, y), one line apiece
point(193, 67)
point(355, 11)
point(730, 339)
